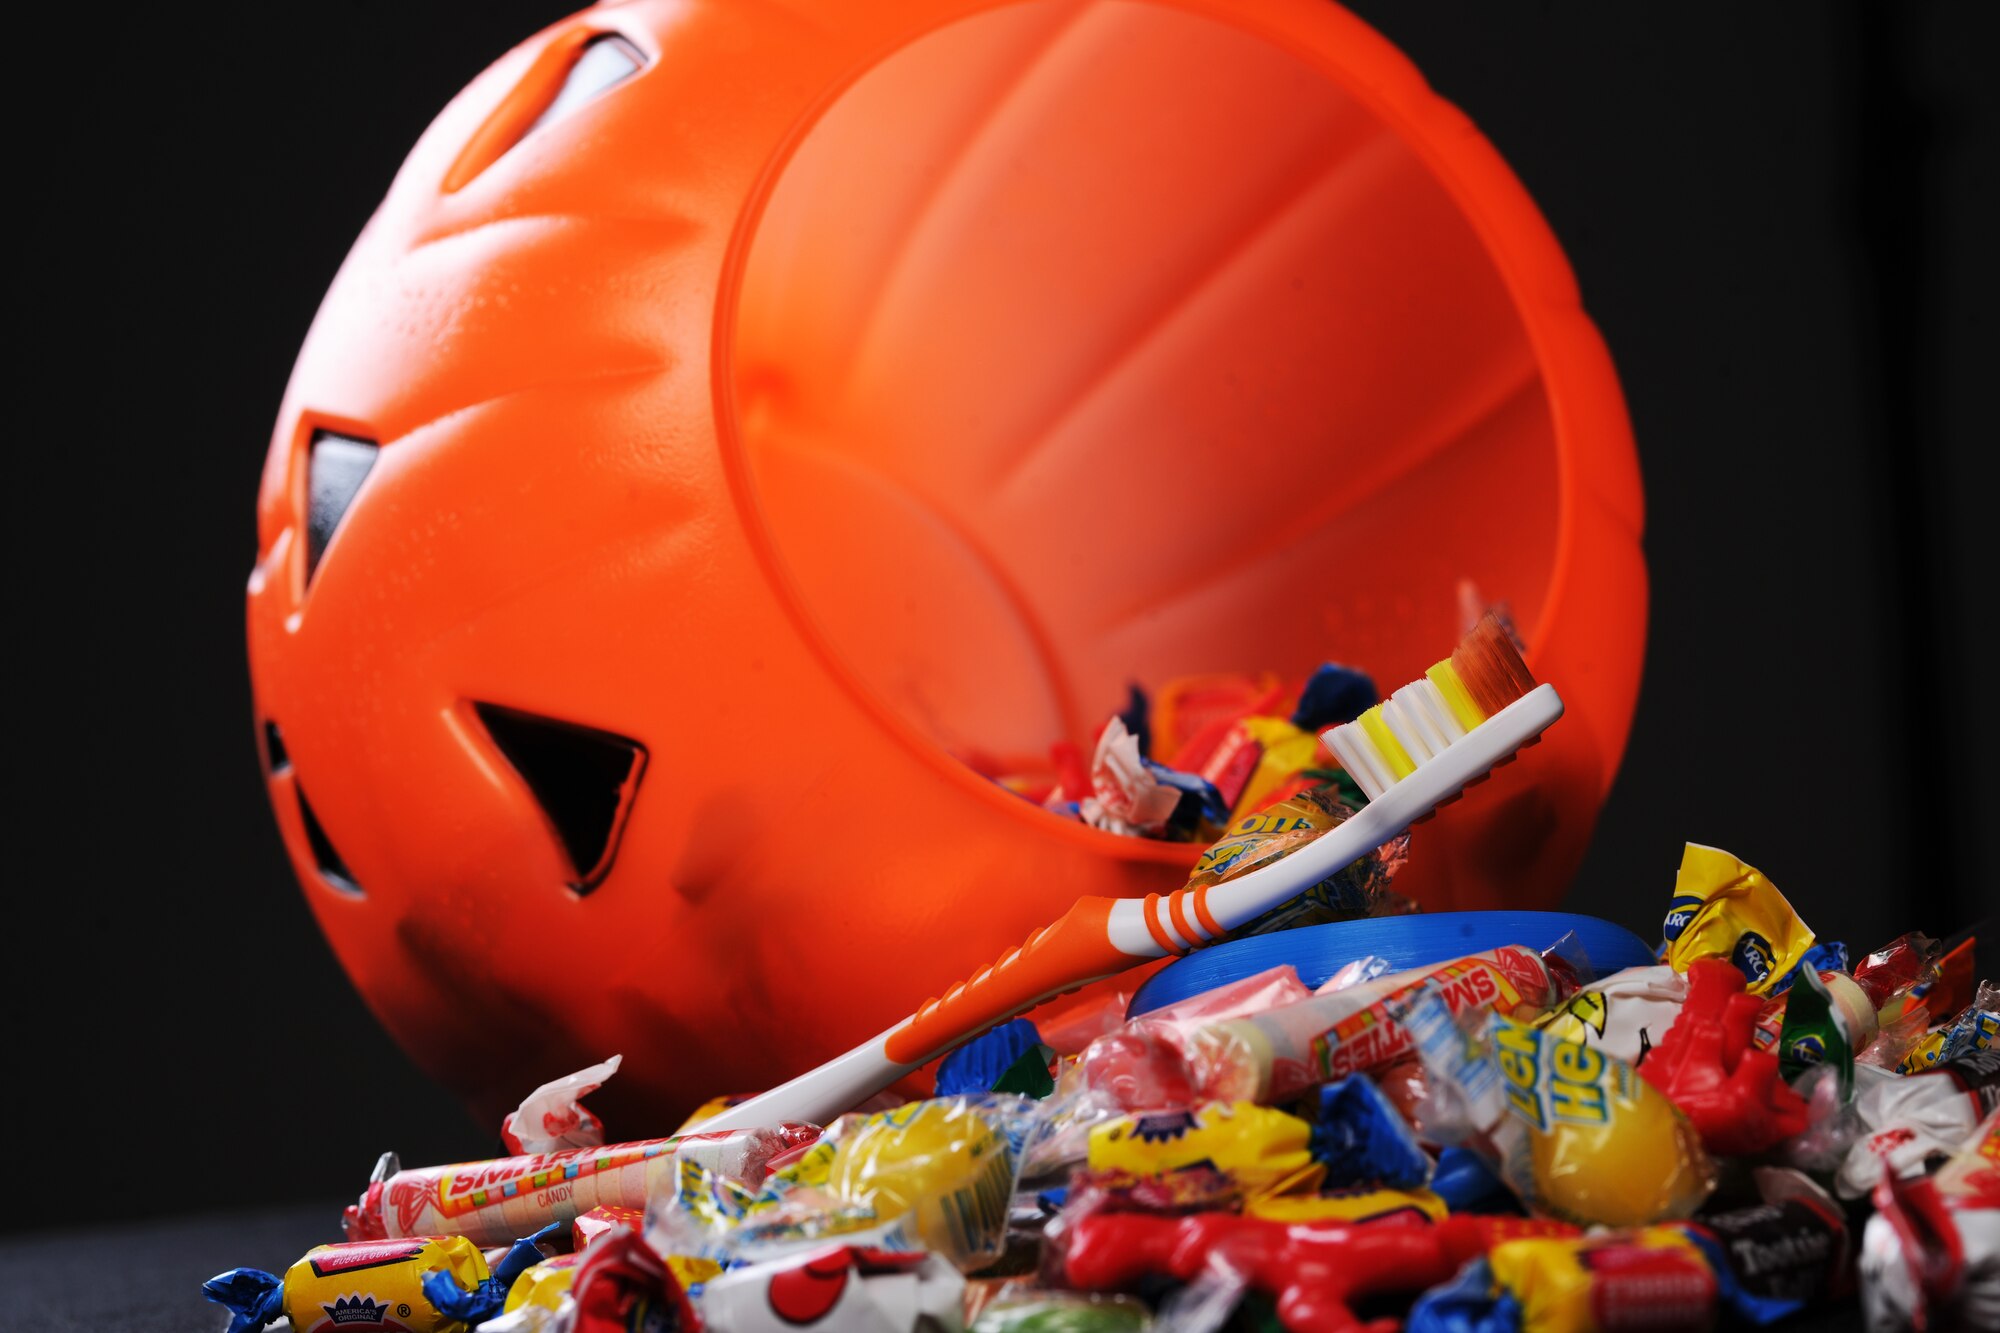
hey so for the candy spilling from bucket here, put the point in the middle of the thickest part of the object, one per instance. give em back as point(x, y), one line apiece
point(1757, 1123)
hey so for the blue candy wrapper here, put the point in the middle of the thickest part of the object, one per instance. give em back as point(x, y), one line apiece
point(1467, 1184)
point(1364, 1141)
point(484, 1301)
point(1826, 956)
point(978, 1065)
point(253, 1297)
point(1469, 1303)
point(1332, 695)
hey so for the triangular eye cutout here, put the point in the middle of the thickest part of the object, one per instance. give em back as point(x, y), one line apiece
point(335, 468)
point(583, 779)
point(331, 868)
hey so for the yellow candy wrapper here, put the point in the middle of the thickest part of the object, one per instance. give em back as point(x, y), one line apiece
point(1263, 1150)
point(544, 1284)
point(1725, 909)
point(379, 1284)
point(1286, 750)
point(1652, 1278)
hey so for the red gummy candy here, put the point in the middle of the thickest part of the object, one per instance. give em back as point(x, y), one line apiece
point(1313, 1269)
point(1708, 1065)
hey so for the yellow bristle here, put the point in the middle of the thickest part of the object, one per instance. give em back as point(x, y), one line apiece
point(1446, 678)
point(1386, 745)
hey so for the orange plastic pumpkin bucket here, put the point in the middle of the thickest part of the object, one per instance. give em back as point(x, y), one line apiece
point(736, 411)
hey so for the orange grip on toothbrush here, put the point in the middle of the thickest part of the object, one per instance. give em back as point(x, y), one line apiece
point(1061, 956)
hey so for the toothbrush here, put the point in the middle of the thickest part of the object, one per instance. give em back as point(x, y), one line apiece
point(1413, 752)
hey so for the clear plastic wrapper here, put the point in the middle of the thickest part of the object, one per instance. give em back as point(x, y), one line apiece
point(1206, 1304)
point(1268, 989)
point(1143, 1066)
point(1069, 1025)
point(1575, 1133)
point(1902, 967)
point(934, 1175)
point(1974, 1028)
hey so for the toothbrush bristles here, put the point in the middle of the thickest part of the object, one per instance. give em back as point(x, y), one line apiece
point(1419, 722)
point(1490, 664)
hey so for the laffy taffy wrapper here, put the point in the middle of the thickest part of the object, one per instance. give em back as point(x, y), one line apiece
point(1575, 1133)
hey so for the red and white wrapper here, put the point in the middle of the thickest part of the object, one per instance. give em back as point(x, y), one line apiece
point(1917, 1117)
point(844, 1289)
point(1125, 797)
point(1925, 1264)
point(553, 1116)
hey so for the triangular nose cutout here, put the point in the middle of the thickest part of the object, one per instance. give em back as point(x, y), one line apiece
point(583, 779)
point(335, 469)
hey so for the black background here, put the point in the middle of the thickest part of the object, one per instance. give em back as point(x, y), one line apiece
point(1780, 218)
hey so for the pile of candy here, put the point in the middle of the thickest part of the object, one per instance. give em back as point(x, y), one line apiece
point(1204, 752)
point(1755, 1125)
